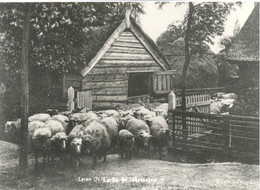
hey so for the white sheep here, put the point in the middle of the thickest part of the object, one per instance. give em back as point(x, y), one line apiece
point(162, 109)
point(40, 117)
point(161, 134)
point(63, 119)
point(141, 112)
point(141, 132)
point(80, 118)
point(55, 126)
point(33, 125)
point(126, 143)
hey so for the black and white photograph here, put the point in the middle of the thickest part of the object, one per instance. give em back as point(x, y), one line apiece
point(120, 95)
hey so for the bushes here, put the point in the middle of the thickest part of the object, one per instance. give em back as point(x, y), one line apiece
point(247, 103)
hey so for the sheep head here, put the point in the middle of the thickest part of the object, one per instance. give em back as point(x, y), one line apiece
point(144, 137)
point(76, 145)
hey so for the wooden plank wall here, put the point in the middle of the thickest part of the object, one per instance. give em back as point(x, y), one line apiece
point(108, 80)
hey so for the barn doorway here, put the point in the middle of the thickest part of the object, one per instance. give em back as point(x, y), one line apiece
point(139, 86)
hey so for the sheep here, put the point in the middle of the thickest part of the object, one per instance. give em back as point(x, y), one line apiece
point(75, 151)
point(112, 127)
point(161, 134)
point(126, 143)
point(33, 125)
point(12, 129)
point(58, 145)
point(55, 126)
point(52, 112)
point(143, 112)
point(40, 117)
point(228, 96)
point(41, 143)
point(141, 132)
point(98, 140)
point(63, 119)
point(162, 109)
point(79, 118)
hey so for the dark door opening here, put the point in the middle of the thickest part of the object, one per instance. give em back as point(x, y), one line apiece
point(139, 84)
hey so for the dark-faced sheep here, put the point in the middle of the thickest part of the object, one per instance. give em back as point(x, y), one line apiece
point(126, 143)
point(59, 146)
point(41, 144)
point(112, 127)
point(141, 132)
point(12, 130)
point(81, 118)
point(75, 151)
point(161, 134)
point(97, 140)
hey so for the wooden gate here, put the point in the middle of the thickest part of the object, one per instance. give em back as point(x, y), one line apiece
point(234, 136)
point(84, 99)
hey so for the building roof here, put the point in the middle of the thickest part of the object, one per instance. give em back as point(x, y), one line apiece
point(129, 24)
point(245, 46)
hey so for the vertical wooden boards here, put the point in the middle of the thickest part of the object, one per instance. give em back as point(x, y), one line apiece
point(84, 99)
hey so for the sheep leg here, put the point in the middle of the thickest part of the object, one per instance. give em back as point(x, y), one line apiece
point(130, 154)
point(44, 160)
point(94, 159)
point(105, 157)
point(160, 153)
point(77, 164)
point(71, 159)
point(36, 159)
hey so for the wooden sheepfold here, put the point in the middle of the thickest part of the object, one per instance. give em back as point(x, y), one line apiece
point(127, 69)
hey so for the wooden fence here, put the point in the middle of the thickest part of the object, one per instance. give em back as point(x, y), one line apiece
point(197, 103)
point(84, 99)
point(234, 136)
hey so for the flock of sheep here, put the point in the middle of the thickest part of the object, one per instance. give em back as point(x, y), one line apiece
point(85, 132)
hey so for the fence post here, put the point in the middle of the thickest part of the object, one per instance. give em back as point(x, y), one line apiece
point(226, 130)
point(171, 101)
point(71, 95)
point(171, 117)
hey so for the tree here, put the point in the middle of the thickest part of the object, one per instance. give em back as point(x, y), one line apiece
point(202, 22)
point(58, 34)
point(23, 153)
point(173, 32)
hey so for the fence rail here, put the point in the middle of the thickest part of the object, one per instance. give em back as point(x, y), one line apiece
point(231, 135)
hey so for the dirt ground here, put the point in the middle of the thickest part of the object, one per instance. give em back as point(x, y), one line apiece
point(117, 173)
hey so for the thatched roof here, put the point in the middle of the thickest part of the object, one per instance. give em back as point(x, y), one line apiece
point(202, 71)
point(246, 45)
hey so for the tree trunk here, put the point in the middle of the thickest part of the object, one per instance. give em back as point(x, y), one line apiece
point(185, 66)
point(23, 153)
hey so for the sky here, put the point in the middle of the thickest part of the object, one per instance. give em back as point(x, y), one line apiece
point(156, 20)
